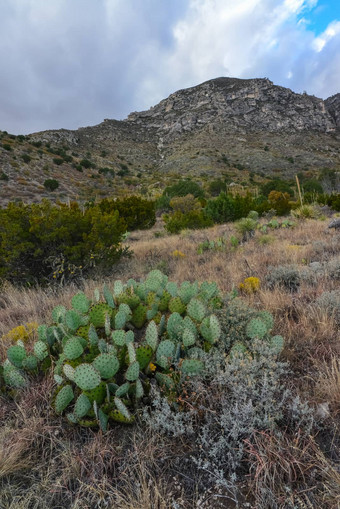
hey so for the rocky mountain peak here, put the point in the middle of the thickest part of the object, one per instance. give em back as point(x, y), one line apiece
point(243, 105)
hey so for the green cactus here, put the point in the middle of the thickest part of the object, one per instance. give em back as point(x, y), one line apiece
point(63, 398)
point(120, 319)
point(144, 354)
point(132, 372)
point(106, 364)
point(172, 289)
point(165, 353)
point(238, 349)
point(82, 406)
point(131, 353)
point(164, 301)
point(68, 371)
point(103, 419)
point(108, 296)
point(13, 377)
point(118, 288)
point(73, 348)
point(267, 318)
point(72, 320)
point(138, 318)
point(175, 326)
point(119, 337)
point(16, 354)
point(86, 377)
point(191, 367)
point(177, 306)
point(40, 350)
point(196, 310)
point(256, 328)
point(139, 389)
point(276, 344)
point(151, 335)
point(117, 416)
point(58, 314)
point(166, 382)
point(30, 362)
point(188, 338)
point(129, 298)
point(80, 303)
point(122, 408)
point(188, 291)
point(98, 312)
point(122, 390)
point(97, 394)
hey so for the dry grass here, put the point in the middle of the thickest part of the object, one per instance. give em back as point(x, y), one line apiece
point(46, 465)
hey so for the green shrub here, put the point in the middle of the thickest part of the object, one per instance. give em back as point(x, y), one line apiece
point(58, 160)
point(86, 163)
point(178, 221)
point(4, 176)
point(276, 185)
point(51, 184)
point(182, 188)
point(35, 239)
point(7, 146)
point(26, 158)
point(137, 212)
point(227, 207)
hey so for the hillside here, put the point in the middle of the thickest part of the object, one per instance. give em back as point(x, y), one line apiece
point(240, 130)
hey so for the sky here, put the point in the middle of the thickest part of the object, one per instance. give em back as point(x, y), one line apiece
point(72, 63)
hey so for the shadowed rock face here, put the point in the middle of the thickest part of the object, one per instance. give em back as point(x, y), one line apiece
point(333, 106)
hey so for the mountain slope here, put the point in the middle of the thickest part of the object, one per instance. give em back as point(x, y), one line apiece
point(224, 127)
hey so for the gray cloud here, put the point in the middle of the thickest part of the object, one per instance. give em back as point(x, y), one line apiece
point(71, 63)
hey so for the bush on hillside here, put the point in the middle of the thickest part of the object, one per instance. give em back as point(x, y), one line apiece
point(138, 213)
point(193, 220)
point(33, 237)
point(51, 184)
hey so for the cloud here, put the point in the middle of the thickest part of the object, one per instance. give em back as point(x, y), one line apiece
point(70, 64)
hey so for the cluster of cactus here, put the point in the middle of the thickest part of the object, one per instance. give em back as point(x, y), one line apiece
point(105, 351)
point(275, 224)
point(241, 325)
point(220, 244)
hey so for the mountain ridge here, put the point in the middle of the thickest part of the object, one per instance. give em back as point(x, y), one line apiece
point(224, 127)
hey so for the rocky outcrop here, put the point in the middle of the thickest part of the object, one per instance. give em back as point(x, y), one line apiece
point(333, 106)
point(241, 105)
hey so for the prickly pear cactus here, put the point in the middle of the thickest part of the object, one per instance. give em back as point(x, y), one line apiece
point(106, 352)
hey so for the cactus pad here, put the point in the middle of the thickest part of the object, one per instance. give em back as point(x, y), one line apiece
point(191, 367)
point(16, 354)
point(144, 355)
point(177, 306)
point(196, 310)
point(80, 303)
point(30, 362)
point(82, 406)
point(73, 349)
point(63, 399)
point(86, 377)
point(132, 372)
point(256, 328)
point(106, 364)
point(40, 350)
point(151, 335)
point(98, 313)
point(138, 318)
